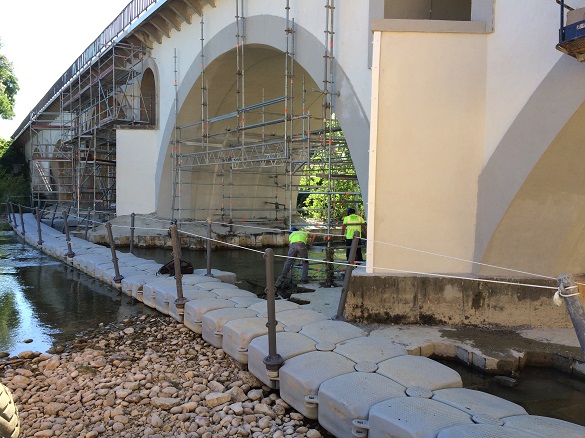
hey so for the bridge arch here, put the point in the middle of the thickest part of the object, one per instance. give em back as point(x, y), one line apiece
point(264, 49)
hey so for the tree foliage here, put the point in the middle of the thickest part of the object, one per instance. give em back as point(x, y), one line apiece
point(14, 183)
point(8, 87)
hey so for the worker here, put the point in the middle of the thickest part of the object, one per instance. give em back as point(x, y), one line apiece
point(352, 223)
point(298, 242)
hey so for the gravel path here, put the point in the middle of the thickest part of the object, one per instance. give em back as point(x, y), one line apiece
point(145, 377)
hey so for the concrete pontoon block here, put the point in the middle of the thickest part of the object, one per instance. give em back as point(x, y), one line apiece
point(299, 317)
point(231, 292)
point(349, 397)
point(482, 431)
point(190, 293)
point(413, 417)
point(237, 335)
point(195, 309)
point(302, 375)
point(279, 306)
point(477, 402)
point(212, 323)
point(332, 331)
point(366, 349)
point(420, 371)
point(214, 283)
point(245, 301)
point(288, 344)
point(544, 427)
point(226, 277)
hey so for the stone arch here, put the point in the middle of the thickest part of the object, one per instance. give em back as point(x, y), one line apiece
point(352, 117)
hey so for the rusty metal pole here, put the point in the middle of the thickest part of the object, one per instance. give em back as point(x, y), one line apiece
point(347, 277)
point(70, 252)
point(181, 300)
point(132, 228)
point(13, 218)
point(8, 211)
point(21, 219)
point(209, 274)
point(87, 223)
point(117, 278)
point(570, 293)
point(273, 361)
point(54, 213)
point(38, 215)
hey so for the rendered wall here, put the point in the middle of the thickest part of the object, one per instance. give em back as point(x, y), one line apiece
point(136, 156)
point(426, 149)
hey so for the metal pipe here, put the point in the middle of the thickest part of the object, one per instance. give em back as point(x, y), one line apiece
point(21, 219)
point(54, 213)
point(38, 215)
point(117, 278)
point(132, 228)
point(181, 300)
point(87, 223)
point(8, 211)
point(70, 252)
point(574, 306)
point(209, 274)
point(273, 361)
point(347, 277)
point(13, 216)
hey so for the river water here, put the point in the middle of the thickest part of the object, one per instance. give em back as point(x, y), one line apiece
point(44, 302)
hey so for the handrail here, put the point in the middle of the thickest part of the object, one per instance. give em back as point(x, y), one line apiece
point(129, 14)
point(562, 3)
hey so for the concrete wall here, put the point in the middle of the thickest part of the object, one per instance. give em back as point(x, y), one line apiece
point(136, 162)
point(440, 300)
point(426, 145)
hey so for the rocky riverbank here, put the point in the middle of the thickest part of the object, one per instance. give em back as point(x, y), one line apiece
point(145, 377)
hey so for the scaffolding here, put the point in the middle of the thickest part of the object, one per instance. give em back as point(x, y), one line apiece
point(294, 159)
point(74, 150)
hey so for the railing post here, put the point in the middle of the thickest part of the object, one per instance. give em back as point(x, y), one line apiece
point(87, 223)
point(570, 293)
point(13, 216)
point(117, 278)
point(54, 213)
point(38, 214)
point(209, 274)
point(70, 253)
point(181, 300)
point(347, 277)
point(21, 218)
point(132, 228)
point(8, 211)
point(273, 361)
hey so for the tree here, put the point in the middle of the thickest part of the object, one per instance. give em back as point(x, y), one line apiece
point(8, 87)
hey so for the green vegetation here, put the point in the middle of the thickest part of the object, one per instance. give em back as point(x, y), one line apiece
point(14, 182)
point(8, 87)
point(343, 184)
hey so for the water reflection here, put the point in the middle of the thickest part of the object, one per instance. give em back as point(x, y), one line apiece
point(48, 302)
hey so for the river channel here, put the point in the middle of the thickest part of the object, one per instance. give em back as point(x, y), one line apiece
point(44, 302)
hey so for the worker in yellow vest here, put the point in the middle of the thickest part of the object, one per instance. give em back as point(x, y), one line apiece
point(298, 242)
point(352, 223)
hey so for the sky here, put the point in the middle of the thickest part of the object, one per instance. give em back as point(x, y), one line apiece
point(42, 39)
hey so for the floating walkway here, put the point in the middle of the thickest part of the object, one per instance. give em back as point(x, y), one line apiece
point(333, 372)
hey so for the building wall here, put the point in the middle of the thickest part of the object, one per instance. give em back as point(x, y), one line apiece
point(427, 142)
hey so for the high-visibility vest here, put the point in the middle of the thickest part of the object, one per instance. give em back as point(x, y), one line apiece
point(353, 223)
point(298, 236)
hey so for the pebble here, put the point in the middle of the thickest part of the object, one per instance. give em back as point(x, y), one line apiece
point(146, 377)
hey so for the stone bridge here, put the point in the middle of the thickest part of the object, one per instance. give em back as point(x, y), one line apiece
point(463, 122)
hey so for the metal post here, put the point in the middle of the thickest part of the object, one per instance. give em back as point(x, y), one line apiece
point(54, 213)
point(87, 223)
point(21, 219)
point(117, 278)
point(70, 252)
point(181, 300)
point(209, 274)
point(38, 214)
point(349, 269)
point(8, 212)
point(132, 228)
point(13, 216)
point(568, 288)
point(273, 361)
